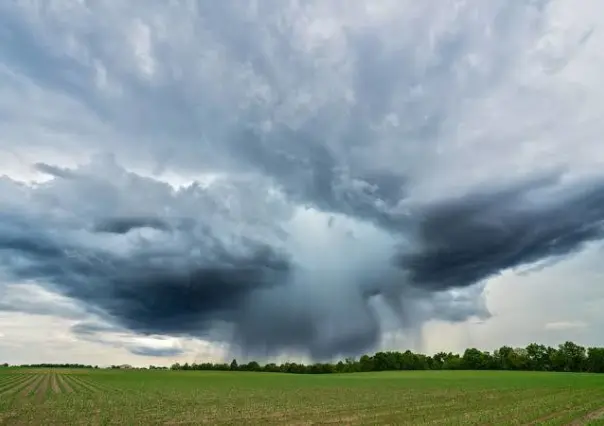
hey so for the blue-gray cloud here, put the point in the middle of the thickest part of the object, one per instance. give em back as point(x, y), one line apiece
point(155, 352)
point(386, 118)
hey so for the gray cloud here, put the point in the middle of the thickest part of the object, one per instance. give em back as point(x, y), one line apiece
point(51, 170)
point(98, 332)
point(361, 163)
point(124, 225)
point(155, 352)
point(89, 328)
point(151, 289)
point(158, 276)
point(221, 275)
point(466, 240)
point(29, 298)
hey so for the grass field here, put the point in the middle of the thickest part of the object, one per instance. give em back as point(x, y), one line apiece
point(69, 397)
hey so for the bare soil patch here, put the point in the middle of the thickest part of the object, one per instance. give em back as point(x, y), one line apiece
point(62, 382)
point(42, 388)
point(594, 415)
point(54, 384)
point(31, 387)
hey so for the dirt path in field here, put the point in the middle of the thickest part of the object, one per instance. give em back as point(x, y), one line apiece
point(594, 415)
point(548, 417)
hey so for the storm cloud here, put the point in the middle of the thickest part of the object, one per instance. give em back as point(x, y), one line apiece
point(290, 176)
point(466, 240)
point(219, 278)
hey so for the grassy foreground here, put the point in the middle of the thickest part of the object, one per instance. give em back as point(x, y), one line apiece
point(73, 397)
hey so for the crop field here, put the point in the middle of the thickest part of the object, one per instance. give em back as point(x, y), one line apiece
point(61, 397)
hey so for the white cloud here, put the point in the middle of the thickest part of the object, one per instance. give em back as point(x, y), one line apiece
point(140, 38)
point(565, 325)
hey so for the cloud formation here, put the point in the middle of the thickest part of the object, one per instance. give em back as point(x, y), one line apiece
point(346, 172)
point(466, 240)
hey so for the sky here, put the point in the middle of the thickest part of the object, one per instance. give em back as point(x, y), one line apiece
point(188, 181)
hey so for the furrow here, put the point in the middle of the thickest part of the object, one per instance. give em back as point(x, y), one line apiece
point(42, 388)
point(93, 386)
point(74, 385)
point(16, 386)
point(30, 389)
point(54, 383)
point(62, 382)
point(589, 417)
point(21, 385)
point(90, 386)
point(12, 382)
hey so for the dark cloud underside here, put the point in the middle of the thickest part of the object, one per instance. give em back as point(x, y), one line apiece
point(350, 164)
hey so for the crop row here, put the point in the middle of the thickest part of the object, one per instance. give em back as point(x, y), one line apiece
point(39, 385)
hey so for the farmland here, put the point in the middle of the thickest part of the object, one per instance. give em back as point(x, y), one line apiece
point(54, 396)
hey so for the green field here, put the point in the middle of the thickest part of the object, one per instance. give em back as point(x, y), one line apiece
point(69, 397)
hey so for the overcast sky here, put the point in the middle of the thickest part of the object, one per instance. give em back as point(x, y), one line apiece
point(196, 180)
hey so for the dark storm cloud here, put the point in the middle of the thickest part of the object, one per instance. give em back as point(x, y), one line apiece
point(155, 352)
point(311, 173)
point(84, 328)
point(150, 291)
point(192, 281)
point(322, 324)
point(345, 113)
point(463, 241)
point(125, 224)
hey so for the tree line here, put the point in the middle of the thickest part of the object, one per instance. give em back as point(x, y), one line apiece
point(567, 357)
point(48, 365)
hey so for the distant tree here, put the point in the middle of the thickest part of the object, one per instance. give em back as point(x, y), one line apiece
point(474, 359)
point(502, 358)
point(595, 360)
point(351, 365)
point(383, 361)
point(453, 362)
point(253, 366)
point(271, 368)
point(535, 357)
point(570, 357)
point(409, 361)
point(438, 360)
point(366, 363)
point(538, 358)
